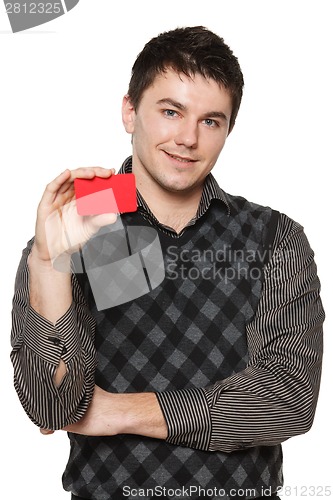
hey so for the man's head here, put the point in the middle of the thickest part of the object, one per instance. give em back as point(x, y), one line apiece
point(191, 51)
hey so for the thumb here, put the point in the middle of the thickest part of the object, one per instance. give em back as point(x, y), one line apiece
point(96, 222)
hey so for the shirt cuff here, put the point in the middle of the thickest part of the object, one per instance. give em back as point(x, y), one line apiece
point(49, 341)
point(187, 416)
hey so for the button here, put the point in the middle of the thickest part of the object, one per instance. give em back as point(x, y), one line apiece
point(55, 340)
point(243, 446)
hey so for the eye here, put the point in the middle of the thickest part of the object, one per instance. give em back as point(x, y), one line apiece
point(170, 113)
point(211, 123)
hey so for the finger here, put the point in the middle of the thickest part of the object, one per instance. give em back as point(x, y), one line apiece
point(85, 173)
point(91, 172)
point(46, 432)
point(69, 428)
point(65, 179)
point(53, 187)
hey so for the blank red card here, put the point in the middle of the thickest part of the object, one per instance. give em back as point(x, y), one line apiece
point(117, 194)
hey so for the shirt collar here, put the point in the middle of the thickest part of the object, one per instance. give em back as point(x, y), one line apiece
point(211, 191)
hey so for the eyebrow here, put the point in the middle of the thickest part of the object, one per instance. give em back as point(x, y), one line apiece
point(182, 107)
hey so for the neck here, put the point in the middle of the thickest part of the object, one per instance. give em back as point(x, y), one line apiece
point(173, 212)
point(171, 208)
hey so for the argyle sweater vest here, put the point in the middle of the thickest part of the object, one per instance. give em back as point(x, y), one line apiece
point(187, 332)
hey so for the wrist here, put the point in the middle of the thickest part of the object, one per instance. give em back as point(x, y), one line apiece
point(141, 414)
point(38, 263)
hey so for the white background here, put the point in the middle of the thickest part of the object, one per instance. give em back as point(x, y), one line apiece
point(61, 88)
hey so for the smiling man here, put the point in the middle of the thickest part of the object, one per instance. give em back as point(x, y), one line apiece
point(179, 130)
point(189, 389)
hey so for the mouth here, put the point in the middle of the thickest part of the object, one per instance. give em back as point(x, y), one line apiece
point(181, 159)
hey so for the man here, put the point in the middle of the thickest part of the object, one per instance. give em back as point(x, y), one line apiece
point(189, 389)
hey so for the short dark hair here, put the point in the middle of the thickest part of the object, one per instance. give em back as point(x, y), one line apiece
point(188, 50)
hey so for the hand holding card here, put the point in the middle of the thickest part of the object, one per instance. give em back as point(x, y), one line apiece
point(116, 194)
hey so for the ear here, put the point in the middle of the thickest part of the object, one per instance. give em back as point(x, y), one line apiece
point(128, 114)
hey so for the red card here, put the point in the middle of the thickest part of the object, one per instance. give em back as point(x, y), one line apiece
point(116, 194)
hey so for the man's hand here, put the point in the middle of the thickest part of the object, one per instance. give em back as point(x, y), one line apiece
point(59, 228)
point(110, 414)
point(60, 231)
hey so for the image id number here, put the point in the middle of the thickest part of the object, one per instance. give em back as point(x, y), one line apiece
point(33, 8)
point(305, 491)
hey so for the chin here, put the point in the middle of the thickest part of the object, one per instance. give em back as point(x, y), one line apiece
point(179, 188)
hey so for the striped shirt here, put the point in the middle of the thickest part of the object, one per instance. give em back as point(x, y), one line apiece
point(231, 346)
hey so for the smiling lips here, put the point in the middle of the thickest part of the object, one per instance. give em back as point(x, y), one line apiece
point(181, 159)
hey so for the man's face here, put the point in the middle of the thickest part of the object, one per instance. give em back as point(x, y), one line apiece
point(178, 130)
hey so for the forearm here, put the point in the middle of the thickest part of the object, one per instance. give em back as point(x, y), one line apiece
point(39, 345)
point(130, 413)
point(50, 401)
point(46, 284)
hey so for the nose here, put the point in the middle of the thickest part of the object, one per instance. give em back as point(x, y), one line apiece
point(187, 134)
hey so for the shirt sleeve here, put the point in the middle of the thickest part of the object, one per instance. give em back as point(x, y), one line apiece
point(37, 347)
point(275, 397)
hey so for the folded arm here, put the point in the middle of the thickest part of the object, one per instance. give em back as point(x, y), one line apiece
point(39, 345)
point(275, 397)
